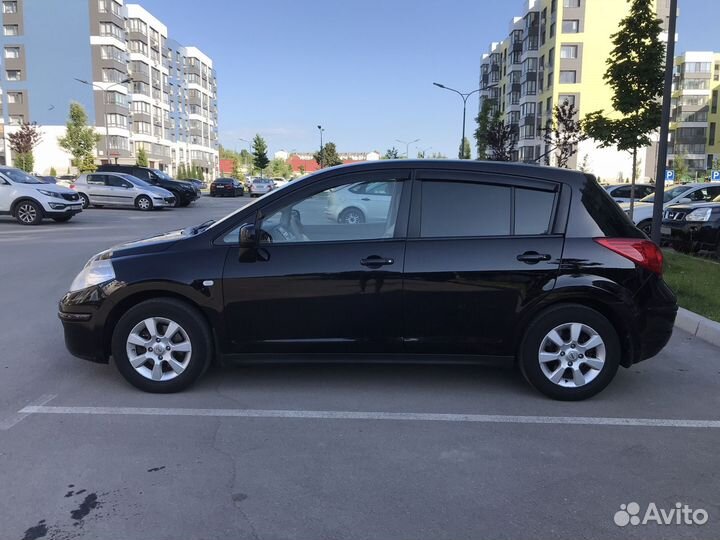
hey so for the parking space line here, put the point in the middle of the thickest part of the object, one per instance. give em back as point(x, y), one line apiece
point(382, 416)
point(7, 423)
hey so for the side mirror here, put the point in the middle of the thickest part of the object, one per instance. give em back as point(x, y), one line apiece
point(248, 236)
point(685, 200)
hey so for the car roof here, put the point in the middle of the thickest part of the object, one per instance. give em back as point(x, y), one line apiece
point(541, 172)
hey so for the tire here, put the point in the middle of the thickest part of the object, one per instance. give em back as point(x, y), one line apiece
point(62, 219)
point(351, 216)
point(646, 226)
point(681, 247)
point(176, 204)
point(144, 203)
point(98, 206)
point(185, 204)
point(192, 333)
point(572, 359)
point(85, 200)
point(28, 213)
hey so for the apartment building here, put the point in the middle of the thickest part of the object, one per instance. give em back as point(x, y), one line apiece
point(141, 88)
point(556, 51)
point(694, 112)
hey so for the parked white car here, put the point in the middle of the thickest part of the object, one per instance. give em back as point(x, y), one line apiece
point(120, 189)
point(366, 202)
point(622, 192)
point(679, 194)
point(28, 199)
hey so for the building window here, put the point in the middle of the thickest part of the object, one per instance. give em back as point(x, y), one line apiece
point(12, 52)
point(110, 52)
point(13, 74)
point(116, 120)
point(550, 79)
point(568, 76)
point(694, 84)
point(137, 46)
point(711, 140)
point(569, 51)
point(696, 67)
point(136, 25)
point(10, 29)
point(570, 26)
point(569, 98)
point(143, 128)
point(15, 97)
point(10, 6)
point(714, 107)
point(116, 98)
point(16, 119)
point(553, 6)
point(112, 75)
point(571, 3)
point(140, 87)
point(118, 143)
point(108, 29)
point(141, 107)
point(552, 30)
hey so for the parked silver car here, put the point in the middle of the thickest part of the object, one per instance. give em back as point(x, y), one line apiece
point(260, 186)
point(120, 189)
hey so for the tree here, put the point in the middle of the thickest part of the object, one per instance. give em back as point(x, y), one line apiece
point(501, 140)
point(181, 174)
point(301, 170)
point(392, 153)
point(260, 159)
point(141, 157)
point(636, 71)
point(280, 167)
point(236, 168)
point(680, 166)
point(53, 172)
point(483, 119)
point(327, 156)
point(438, 155)
point(564, 133)
point(22, 143)
point(464, 151)
point(80, 139)
point(585, 164)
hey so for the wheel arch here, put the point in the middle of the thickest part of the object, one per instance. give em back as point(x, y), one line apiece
point(598, 300)
point(22, 199)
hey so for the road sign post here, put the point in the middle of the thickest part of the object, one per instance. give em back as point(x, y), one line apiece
point(669, 175)
point(715, 176)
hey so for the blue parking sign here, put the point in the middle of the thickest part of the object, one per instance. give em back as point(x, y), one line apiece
point(669, 175)
point(715, 176)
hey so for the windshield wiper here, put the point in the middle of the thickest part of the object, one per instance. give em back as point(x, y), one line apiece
point(204, 225)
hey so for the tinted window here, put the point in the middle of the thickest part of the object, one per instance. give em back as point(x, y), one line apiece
point(533, 211)
point(622, 192)
point(461, 209)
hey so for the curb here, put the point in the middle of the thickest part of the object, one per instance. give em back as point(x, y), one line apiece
point(699, 326)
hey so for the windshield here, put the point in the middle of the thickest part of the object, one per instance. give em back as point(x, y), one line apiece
point(21, 177)
point(162, 175)
point(669, 195)
point(135, 180)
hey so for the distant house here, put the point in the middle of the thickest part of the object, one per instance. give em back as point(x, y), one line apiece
point(306, 162)
point(226, 167)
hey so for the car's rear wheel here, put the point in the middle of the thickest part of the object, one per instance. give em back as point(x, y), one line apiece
point(161, 345)
point(143, 202)
point(85, 200)
point(28, 213)
point(569, 352)
point(646, 226)
point(63, 219)
point(351, 216)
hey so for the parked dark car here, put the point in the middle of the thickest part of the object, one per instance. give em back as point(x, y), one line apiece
point(226, 187)
point(184, 192)
point(693, 227)
point(474, 258)
point(200, 184)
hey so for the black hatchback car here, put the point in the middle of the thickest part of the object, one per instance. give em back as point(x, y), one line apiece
point(473, 259)
point(226, 187)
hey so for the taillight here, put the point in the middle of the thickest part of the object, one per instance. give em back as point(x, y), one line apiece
point(72, 186)
point(642, 252)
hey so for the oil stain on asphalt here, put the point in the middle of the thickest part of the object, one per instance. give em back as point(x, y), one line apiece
point(38, 531)
point(78, 515)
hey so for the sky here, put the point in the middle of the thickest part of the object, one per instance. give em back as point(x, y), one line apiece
point(361, 69)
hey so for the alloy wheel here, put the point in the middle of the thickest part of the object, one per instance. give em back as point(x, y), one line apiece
point(27, 213)
point(572, 355)
point(158, 348)
point(351, 217)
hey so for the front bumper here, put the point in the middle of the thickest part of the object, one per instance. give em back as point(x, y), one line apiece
point(163, 202)
point(693, 236)
point(61, 208)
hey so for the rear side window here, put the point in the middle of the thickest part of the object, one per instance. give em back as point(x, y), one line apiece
point(96, 179)
point(604, 211)
point(466, 209)
point(457, 209)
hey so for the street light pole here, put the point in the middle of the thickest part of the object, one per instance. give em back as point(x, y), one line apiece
point(464, 96)
point(407, 146)
point(104, 90)
point(664, 127)
point(321, 129)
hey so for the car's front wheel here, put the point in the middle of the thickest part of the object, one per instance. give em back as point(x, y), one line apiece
point(569, 352)
point(161, 345)
point(28, 213)
point(85, 200)
point(351, 216)
point(143, 202)
point(646, 227)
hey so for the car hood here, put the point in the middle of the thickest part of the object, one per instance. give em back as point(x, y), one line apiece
point(692, 206)
point(158, 191)
point(152, 244)
point(51, 187)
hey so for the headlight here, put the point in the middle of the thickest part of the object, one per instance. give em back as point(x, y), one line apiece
point(96, 271)
point(50, 194)
point(701, 214)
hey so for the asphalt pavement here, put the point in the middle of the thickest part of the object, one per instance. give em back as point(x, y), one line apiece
point(327, 451)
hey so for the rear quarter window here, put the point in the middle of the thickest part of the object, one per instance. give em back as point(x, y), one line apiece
point(607, 217)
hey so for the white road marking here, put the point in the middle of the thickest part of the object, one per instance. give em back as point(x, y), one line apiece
point(7, 423)
point(359, 415)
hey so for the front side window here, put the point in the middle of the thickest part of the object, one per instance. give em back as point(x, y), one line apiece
point(348, 212)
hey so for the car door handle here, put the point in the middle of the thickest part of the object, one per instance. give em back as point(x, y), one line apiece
point(365, 199)
point(533, 257)
point(375, 261)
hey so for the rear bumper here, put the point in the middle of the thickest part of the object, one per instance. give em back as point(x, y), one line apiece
point(656, 319)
